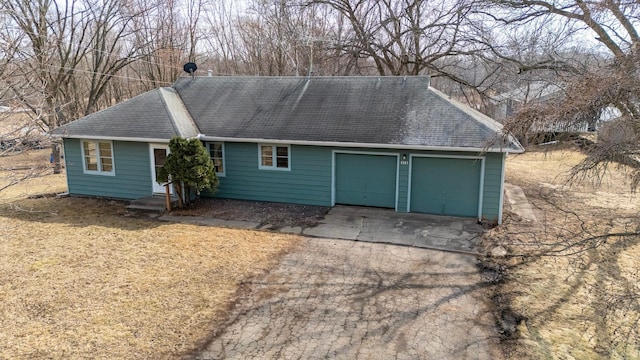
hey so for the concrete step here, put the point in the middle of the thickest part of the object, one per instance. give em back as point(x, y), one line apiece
point(146, 208)
point(151, 203)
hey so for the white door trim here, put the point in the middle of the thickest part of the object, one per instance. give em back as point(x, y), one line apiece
point(155, 187)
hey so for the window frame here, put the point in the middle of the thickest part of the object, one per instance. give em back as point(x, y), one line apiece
point(224, 161)
point(98, 158)
point(274, 157)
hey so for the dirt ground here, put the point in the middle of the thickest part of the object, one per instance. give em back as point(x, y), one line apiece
point(276, 214)
point(570, 289)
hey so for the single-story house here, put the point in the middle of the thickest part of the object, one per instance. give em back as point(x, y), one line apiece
point(391, 142)
point(505, 105)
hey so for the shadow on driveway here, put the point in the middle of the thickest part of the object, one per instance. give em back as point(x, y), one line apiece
point(370, 225)
point(361, 300)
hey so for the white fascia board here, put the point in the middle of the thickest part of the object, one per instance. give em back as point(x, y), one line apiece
point(114, 138)
point(354, 145)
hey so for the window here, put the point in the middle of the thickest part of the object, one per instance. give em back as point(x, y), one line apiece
point(97, 157)
point(274, 157)
point(216, 152)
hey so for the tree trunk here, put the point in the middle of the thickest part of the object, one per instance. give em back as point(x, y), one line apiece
point(55, 155)
point(177, 187)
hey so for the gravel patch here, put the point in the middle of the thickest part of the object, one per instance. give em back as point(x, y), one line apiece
point(275, 214)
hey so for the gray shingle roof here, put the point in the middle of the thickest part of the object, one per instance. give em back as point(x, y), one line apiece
point(400, 111)
point(157, 114)
point(368, 110)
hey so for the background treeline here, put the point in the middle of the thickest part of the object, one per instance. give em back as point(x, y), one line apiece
point(61, 60)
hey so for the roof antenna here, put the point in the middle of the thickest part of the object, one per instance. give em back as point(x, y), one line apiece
point(190, 68)
point(309, 41)
point(310, 44)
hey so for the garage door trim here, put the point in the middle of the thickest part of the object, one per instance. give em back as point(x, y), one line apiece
point(469, 157)
point(333, 170)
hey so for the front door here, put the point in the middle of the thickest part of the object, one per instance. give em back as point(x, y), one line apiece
point(159, 154)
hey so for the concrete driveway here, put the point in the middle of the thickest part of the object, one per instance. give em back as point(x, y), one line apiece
point(361, 300)
point(372, 225)
point(387, 226)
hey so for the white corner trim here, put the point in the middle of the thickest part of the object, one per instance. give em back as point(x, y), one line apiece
point(501, 203)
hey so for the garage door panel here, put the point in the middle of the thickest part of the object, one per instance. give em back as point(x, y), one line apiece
point(367, 180)
point(445, 186)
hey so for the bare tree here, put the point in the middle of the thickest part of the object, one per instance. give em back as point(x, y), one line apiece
point(611, 79)
point(111, 46)
point(17, 130)
point(166, 37)
point(404, 37)
point(271, 37)
point(66, 55)
point(590, 50)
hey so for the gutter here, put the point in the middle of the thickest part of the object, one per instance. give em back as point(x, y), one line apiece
point(203, 137)
point(115, 138)
point(356, 145)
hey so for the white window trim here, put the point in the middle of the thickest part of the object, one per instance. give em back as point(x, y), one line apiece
point(224, 160)
point(99, 171)
point(274, 157)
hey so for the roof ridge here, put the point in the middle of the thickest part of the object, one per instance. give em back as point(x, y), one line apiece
point(181, 119)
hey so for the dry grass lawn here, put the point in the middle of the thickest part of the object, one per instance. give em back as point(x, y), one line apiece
point(10, 122)
point(580, 294)
point(83, 278)
point(32, 171)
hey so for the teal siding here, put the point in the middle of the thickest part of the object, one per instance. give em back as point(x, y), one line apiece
point(132, 172)
point(310, 178)
point(367, 180)
point(308, 181)
point(491, 192)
